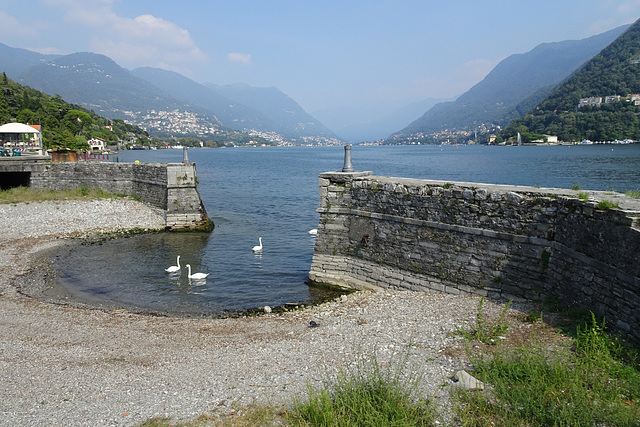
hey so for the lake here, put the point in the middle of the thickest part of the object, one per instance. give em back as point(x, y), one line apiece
point(273, 193)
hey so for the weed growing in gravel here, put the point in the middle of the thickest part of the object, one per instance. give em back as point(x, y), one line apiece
point(485, 330)
point(369, 394)
point(595, 382)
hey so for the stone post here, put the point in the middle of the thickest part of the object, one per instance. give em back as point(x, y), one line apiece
point(347, 159)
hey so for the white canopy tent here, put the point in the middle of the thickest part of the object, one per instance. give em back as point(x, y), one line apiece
point(11, 138)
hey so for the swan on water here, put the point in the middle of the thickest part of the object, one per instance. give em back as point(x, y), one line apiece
point(174, 268)
point(313, 231)
point(196, 275)
point(259, 247)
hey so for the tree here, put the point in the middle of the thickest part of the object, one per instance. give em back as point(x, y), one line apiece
point(81, 118)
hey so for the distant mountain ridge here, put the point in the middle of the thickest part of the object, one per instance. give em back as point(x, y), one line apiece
point(96, 82)
point(163, 102)
point(246, 108)
point(169, 104)
point(225, 110)
point(15, 60)
point(599, 102)
point(275, 105)
point(517, 81)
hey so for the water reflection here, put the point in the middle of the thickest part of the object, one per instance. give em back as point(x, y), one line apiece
point(130, 272)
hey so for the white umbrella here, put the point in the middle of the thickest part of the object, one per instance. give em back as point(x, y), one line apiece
point(17, 128)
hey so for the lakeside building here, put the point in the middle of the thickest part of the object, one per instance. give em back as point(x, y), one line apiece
point(18, 138)
point(97, 144)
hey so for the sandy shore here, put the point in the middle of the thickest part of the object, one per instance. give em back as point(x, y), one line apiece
point(63, 363)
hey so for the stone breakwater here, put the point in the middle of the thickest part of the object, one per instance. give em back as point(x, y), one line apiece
point(503, 242)
point(170, 187)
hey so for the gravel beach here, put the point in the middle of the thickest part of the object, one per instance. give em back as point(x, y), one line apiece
point(70, 365)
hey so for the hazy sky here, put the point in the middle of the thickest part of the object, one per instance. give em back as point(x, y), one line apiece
point(323, 54)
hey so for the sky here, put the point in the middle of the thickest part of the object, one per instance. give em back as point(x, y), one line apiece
point(353, 58)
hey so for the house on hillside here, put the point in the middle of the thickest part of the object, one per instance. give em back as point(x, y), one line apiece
point(98, 145)
point(594, 100)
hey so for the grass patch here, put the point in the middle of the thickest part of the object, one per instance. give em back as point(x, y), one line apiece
point(596, 381)
point(607, 204)
point(27, 195)
point(633, 193)
point(369, 394)
point(576, 187)
point(485, 330)
point(583, 196)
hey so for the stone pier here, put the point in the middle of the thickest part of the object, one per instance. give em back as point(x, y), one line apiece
point(170, 187)
point(503, 242)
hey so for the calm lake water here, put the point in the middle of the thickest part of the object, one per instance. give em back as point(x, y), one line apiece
point(273, 193)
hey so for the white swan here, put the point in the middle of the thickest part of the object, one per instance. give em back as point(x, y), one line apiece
point(313, 231)
point(259, 247)
point(196, 275)
point(174, 268)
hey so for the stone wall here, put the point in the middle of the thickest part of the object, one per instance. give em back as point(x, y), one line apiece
point(503, 242)
point(170, 187)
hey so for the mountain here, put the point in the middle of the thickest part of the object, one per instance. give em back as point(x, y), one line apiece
point(277, 107)
point(99, 84)
point(241, 107)
point(599, 102)
point(63, 124)
point(164, 103)
point(508, 88)
point(228, 112)
point(13, 60)
point(96, 82)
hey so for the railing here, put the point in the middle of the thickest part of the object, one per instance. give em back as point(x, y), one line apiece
point(92, 156)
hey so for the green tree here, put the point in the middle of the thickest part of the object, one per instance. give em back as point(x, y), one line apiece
point(80, 119)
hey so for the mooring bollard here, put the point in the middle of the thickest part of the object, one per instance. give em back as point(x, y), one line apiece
point(347, 159)
point(185, 158)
